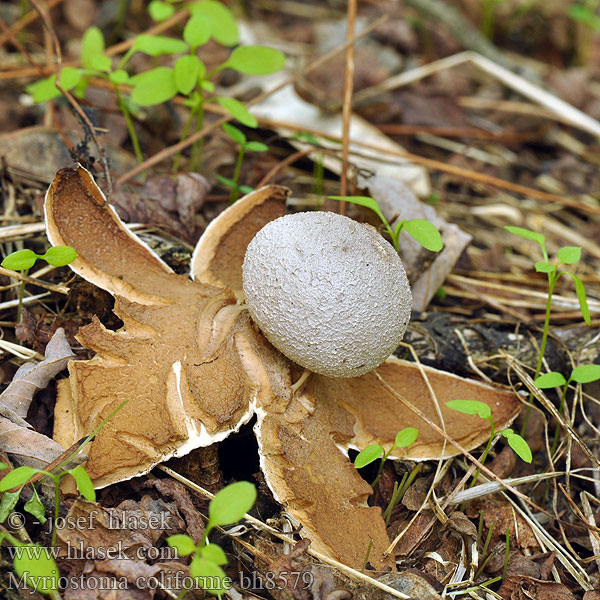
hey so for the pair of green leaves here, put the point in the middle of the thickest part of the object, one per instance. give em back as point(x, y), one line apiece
point(419, 229)
point(567, 255)
point(580, 374)
point(23, 260)
point(371, 453)
point(482, 410)
point(228, 506)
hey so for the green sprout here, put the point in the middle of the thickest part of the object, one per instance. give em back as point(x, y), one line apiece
point(482, 410)
point(31, 561)
point(227, 507)
point(208, 20)
point(419, 229)
point(245, 146)
point(580, 374)
point(568, 255)
point(371, 453)
point(23, 260)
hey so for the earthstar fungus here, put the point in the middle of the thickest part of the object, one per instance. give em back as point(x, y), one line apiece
point(194, 367)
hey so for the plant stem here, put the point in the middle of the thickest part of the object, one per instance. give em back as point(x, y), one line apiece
point(234, 194)
point(485, 452)
point(132, 134)
point(184, 135)
point(552, 279)
point(563, 398)
point(197, 147)
point(56, 507)
point(21, 296)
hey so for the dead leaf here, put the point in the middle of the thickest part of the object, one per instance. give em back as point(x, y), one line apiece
point(32, 376)
point(194, 367)
point(26, 446)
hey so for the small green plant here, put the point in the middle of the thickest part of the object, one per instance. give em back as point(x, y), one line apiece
point(585, 12)
point(227, 507)
point(23, 260)
point(36, 563)
point(372, 452)
point(245, 146)
point(580, 374)
point(568, 255)
point(208, 20)
point(482, 410)
point(419, 229)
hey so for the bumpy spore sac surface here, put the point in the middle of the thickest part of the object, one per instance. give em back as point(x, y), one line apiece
point(328, 292)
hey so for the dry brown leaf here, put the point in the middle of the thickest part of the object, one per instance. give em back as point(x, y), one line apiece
point(194, 367)
point(26, 446)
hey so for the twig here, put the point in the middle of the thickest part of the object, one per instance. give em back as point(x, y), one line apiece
point(347, 102)
point(30, 17)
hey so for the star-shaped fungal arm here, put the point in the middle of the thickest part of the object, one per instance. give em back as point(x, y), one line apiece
point(194, 367)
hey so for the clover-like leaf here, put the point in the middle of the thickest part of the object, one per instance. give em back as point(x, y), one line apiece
point(84, 483)
point(119, 76)
point(231, 503)
point(157, 45)
point(197, 31)
point(470, 407)
point(518, 444)
point(234, 133)
point(581, 296)
point(35, 507)
point(184, 544)
point(406, 437)
point(36, 565)
point(550, 380)
point(20, 260)
point(214, 553)
point(160, 11)
point(187, 69)
point(367, 455)
point(59, 256)
point(569, 255)
point(92, 51)
point(425, 233)
point(238, 110)
point(153, 87)
point(223, 25)
point(586, 373)
point(256, 60)
point(209, 576)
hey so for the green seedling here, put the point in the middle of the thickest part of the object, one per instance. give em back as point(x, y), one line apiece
point(419, 229)
point(245, 146)
point(580, 374)
point(568, 255)
point(208, 20)
point(586, 13)
point(482, 410)
point(31, 561)
point(23, 260)
point(371, 453)
point(227, 507)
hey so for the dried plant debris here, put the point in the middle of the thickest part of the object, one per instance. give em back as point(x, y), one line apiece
point(27, 447)
point(194, 367)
